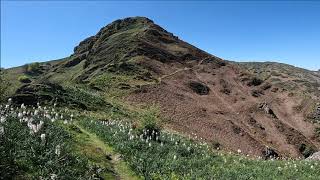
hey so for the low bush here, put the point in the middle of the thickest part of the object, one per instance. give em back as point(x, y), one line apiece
point(255, 82)
point(199, 88)
point(33, 67)
point(306, 150)
point(24, 79)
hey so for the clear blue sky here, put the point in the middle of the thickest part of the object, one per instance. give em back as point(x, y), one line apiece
point(287, 32)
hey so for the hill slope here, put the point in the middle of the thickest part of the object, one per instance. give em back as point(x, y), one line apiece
point(138, 63)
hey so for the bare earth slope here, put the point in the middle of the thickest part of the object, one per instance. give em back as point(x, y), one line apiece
point(245, 106)
point(233, 112)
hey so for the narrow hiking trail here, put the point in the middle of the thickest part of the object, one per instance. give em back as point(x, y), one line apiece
point(181, 69)
point(102, 154)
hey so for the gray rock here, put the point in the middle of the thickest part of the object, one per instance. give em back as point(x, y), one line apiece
point(314, 156)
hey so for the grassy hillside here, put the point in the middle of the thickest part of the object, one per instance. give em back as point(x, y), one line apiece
point(68, 144)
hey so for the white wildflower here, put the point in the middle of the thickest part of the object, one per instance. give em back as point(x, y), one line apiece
point(43, 138)
point(33, 128)
point(239, 151)
point(57, 150)
point(48, 116)
point(174, 157)
point(39, 126)
point(1, 130)
point(2, 119)
point(53, 177)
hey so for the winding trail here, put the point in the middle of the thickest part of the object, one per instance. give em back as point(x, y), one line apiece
point(121, 171)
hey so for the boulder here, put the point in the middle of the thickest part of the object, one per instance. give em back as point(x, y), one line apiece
point(314, 156)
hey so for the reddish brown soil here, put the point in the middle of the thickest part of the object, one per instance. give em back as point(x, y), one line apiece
point(228, 114)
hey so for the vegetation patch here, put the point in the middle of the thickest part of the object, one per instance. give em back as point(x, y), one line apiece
point(4, 84)
point(50, 93)
point(34, 145)
point(33, 68)
point(225, 87)
point(306, 150)
point(24, 79)
point(199, 88)
point(255, 82)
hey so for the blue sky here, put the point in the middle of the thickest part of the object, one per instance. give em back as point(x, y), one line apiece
point(287, 32)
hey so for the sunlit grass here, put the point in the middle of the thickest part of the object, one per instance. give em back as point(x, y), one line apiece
point(163, 155)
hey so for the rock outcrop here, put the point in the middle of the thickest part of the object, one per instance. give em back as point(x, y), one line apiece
point(314, 156)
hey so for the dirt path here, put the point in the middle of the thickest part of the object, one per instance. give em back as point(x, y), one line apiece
point(98, 151)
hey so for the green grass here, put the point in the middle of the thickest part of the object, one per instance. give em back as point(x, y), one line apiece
point(25, 156)
point(90, 146)
point(180, 158)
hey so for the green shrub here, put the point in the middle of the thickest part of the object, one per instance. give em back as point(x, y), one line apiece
point(33, 67)
point(150, 120)
point(24, 79)
point(306, 150)
point(78, 97)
